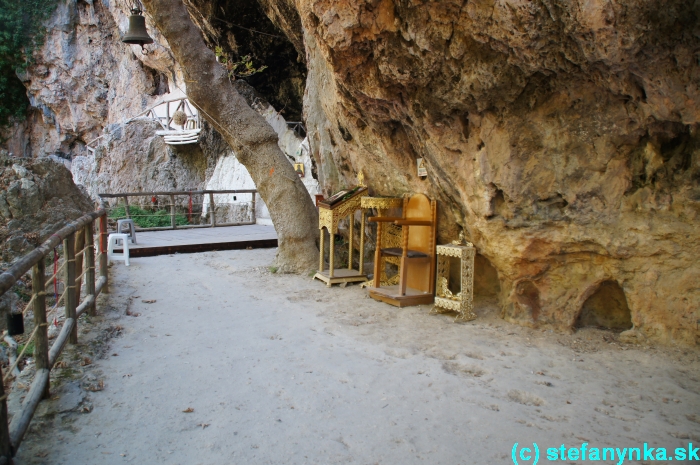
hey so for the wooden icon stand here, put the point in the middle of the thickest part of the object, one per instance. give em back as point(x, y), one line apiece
point(330, 212)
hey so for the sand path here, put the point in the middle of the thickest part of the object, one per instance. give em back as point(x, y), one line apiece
point(280, 369)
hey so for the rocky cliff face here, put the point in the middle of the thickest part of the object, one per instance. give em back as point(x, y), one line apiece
point(132, 158)
point(38, 198)
point(85, 84)
point(84, 79)
point(562, 136)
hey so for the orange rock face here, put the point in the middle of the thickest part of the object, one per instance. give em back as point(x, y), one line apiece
point(562, 136)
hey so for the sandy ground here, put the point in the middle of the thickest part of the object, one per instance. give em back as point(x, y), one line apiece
point(281, 369)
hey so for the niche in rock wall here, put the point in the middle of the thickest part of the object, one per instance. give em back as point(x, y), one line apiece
point(159, 82)
point(606, 308)
point(486, 282)
point(498, 206)
point(528, 296)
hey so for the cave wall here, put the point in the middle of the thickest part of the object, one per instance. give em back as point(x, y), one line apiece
point(561, 136)
point(240, 28)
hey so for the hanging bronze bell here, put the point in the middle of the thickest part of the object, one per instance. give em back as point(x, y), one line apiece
point(137, 33)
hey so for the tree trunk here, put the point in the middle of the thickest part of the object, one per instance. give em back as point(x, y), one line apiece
point(247, 133)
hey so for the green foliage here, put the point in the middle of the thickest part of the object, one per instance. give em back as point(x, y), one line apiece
point(23, 293)
point(21, 32)
point(236, 69)
point(147, 219)
point(30, 349)
point(13, 95)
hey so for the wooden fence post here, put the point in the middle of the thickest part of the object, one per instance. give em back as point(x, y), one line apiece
point(173, 223)
point(254, 194)
point(69, 300)
point(89, 256)
point(5, 443)
point(352, 237)
point(103, 253)
point(79, 246)
point(212, 210)
point(41, 343)
point(126, 208)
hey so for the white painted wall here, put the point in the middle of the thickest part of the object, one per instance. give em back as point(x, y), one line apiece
point(230, 174)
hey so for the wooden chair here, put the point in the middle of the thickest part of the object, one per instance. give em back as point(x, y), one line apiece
point(417, 254)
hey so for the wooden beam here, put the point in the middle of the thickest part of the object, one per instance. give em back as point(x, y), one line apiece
point(192, 226)
point(150, 194)
point(173, 223)
point(99, 286)
point(90, 266)
point(41, 341)
point(87, 302)
point(351, 217)
point(126, 208)
point(104, 265)
point(69, 300)
point(196, 248)
point(79, 245)
point(20, 422)
point(212, 210)
point(5, 442)
point(60, 341)
point(24, 264)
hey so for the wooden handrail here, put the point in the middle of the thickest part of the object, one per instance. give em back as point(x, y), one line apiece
point(193, 192)
point(173, 213)
point(16, 271)
point(153, 107)
point(184, 102)
point(11, 435)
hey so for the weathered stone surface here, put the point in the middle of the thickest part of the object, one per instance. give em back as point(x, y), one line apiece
point(38, 198)
point(132, 158)
point(84, 79)
point(561, 136)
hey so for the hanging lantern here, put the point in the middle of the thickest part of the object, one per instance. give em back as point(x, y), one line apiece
point(137, 33)
point(15, 324)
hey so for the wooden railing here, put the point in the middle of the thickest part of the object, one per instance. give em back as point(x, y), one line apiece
point(183, 104)
point(194, 122)
point(45, 357)
point(173, 211)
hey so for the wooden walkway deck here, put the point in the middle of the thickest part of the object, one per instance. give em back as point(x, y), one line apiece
point(152, 243)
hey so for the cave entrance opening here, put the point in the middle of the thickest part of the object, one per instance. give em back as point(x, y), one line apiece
point(606, 308)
